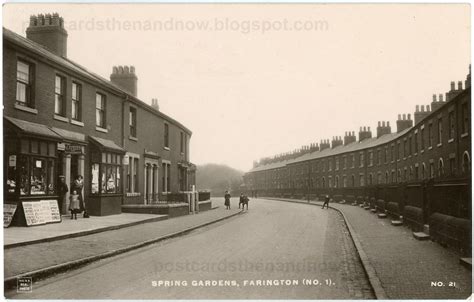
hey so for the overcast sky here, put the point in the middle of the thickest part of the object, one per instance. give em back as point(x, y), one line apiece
point(250, 82)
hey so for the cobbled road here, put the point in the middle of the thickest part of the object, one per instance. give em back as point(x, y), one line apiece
point(275, 250)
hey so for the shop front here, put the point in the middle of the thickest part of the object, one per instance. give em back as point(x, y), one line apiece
point(104, 193)
point(30, 176)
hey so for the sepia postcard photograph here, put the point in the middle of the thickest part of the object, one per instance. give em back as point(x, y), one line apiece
point(230, 151)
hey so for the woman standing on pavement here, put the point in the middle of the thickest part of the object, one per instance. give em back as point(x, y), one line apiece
point(227, 200)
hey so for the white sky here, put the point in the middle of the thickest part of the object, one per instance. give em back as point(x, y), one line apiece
point(248, 95)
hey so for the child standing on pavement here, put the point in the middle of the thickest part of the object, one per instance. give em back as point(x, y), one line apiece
point(74, 206)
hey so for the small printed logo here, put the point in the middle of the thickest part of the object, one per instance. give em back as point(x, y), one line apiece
point(24, 285)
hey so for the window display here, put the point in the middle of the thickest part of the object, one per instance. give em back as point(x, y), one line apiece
point(109, 168)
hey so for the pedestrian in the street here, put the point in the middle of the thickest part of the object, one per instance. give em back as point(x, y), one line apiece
point(77, 185)
point(62, 190)
point(326, 202)
point(74, 205)
point(241, 200)
point(246, 202)
point(227, 200)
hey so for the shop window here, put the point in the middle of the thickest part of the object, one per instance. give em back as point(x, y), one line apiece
point(24, 84)
point(100, 110)
point(59, 88)
point(76, 104)
point(106, 175)
point(34, 167)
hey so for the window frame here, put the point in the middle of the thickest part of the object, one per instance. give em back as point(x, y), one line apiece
point(102, 111)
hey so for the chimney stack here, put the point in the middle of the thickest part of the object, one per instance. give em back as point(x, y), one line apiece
point(364, 133)
point(154, 104)
point(405, 123)
point(48, 30)
point(349, 137)
point(324, 144)
point(437, 104)
point(336, 141)
point(383, 129)
point(125, 78)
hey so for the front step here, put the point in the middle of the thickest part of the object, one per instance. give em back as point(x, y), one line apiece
point(382, 215)
point(373, 210)
point(421, 236)
point(397, 222)
point(466, 262)
point(367, 208)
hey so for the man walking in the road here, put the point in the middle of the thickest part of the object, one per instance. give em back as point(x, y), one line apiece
point(326, 202)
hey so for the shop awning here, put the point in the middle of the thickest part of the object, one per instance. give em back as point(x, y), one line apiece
point(106, 144)
point(33, 129)
point(70, 135)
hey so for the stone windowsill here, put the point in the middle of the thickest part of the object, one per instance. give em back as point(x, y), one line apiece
point(166, 148)
point(133, 138)
point(451, 140)
point(100, 129)
point(439, 145)
point(26, 109)
point(464, 134)
point(61, 118)
point(77, 123)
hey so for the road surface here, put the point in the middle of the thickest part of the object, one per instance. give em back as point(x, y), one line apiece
point(276, 250)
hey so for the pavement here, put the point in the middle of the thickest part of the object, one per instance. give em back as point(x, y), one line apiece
point(46, 257)
point(274, 242)
point(402, 266)
point(67, 228)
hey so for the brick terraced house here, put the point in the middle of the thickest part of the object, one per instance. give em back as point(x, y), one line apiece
point(62, 119)
point(421, 172)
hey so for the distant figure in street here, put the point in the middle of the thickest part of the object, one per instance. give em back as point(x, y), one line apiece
point(326, 202)
point(74, 205)
point(227, 200)
point(62, 190)
point(244, 200)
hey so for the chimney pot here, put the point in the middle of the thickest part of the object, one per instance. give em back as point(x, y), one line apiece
point(434, 98)
point(452, 86)
point(404, 116)
point(428, 108)
point(378, 123)
point(417, 108)
point(399, 117)
point(459, 85)
point(409, 116)
point(440, 98)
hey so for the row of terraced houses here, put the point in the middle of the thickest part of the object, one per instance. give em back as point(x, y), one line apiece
point(421, 172)
point(63, 119)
